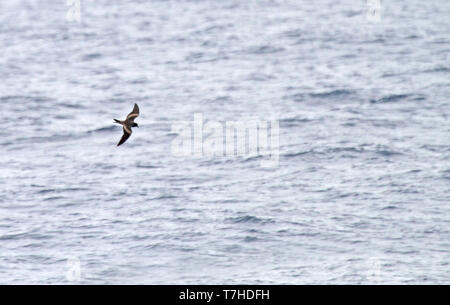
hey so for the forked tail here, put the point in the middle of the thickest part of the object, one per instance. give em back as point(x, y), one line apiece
point(117, 121)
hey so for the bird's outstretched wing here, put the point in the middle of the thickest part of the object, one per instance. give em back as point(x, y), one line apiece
point(133, 114)
point(126, 135)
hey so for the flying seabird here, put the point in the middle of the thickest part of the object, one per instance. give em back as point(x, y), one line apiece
point(128, 123)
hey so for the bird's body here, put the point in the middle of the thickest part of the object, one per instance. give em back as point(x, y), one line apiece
point(127, 124)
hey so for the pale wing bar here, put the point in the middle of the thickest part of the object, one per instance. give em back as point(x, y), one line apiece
point(134, 114)
point(125, 136)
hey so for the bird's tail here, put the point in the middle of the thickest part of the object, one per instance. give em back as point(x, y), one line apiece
point(117, 121)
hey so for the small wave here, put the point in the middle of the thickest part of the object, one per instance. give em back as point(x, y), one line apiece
point(352, 13)
point(446, 174)
point(419, 98)
point(138, 81)
point(91, 56)
point(296, 154)
point(387, 153)
point(164, 197)
point(28, 98)
point(250, 239)
point(103, 129)
point(333, 93)
point(412, 37)
point(252, 158)
point(146, 40)
point(46, 191)
point(330, 150)
point(140, 165)
point(389, 207)
point(297, 97)
point(63, 117)
point(72, 106)
point(11, 236)
point(293, 121)
point(345, 149)
point(249, 219)
point(62, 190)
point(8, 98)
point(390, 98)
point(24, 235)
point(221, 99)
point(54, 198)
point(439, 69)
point(50, 138)
point(436, 148)
point(259, 77)
point(264, 50)
point(293, 33)
point(194, 56)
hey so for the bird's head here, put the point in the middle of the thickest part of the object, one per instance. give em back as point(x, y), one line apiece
point(135, 125)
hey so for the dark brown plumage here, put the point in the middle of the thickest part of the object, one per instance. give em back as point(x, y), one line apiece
point(128, 123)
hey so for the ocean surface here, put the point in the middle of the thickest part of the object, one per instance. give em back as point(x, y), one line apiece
point(361, 192)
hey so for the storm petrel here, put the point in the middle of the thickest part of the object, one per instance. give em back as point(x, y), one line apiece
point(128, 123)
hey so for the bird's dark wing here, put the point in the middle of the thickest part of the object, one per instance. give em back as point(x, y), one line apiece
point(133, 114)
point(126, 135)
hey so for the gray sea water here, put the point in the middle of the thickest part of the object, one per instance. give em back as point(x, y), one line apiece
point(361, 194)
